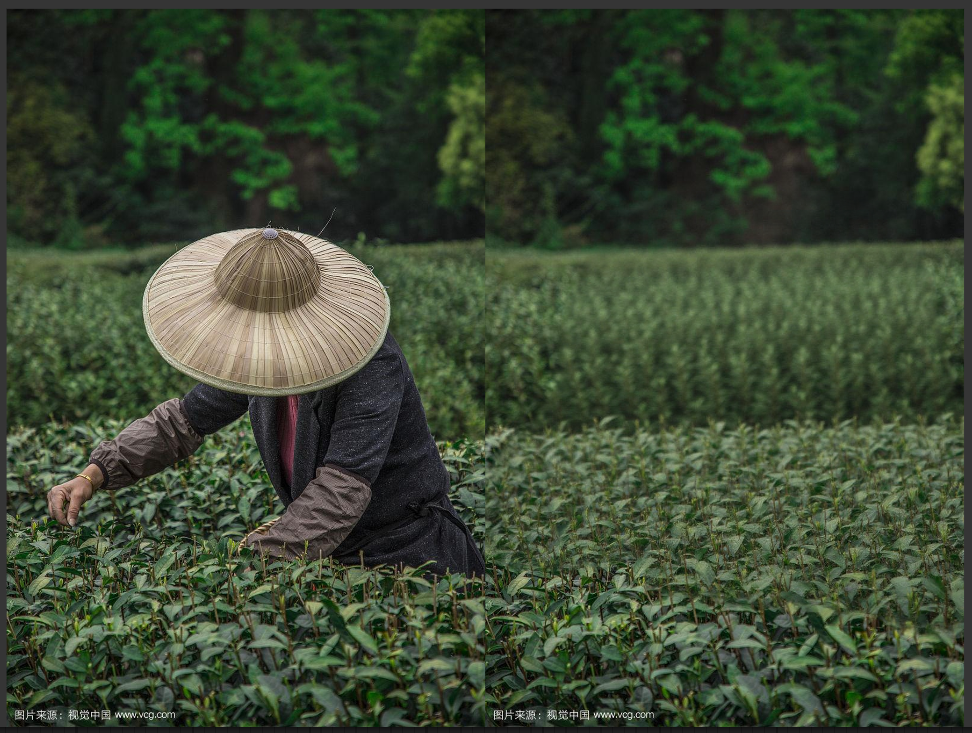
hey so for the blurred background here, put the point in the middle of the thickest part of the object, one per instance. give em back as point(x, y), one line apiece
point(740, 216)
point(724, 127)
point(131, 133)
point(139, 126)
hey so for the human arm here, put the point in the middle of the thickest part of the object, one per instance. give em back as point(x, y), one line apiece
point(147, 446)
point(172, 431)
point(332, 503)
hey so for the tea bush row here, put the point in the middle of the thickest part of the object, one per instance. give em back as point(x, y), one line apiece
point(77, 347)
point(799, 575)
point(755, 336)
point(145, 607)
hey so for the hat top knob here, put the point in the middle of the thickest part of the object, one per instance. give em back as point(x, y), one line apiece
point(269, 233)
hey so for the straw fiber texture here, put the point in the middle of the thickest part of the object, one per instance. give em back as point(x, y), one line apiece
point(265, 312)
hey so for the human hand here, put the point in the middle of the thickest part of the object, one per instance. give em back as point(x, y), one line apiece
point(74, 493)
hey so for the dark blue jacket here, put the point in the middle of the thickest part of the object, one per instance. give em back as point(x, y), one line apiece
point(373, 426)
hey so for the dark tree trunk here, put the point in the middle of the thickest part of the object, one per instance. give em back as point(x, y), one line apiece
point(689, 178)
point(701, 67)
point(213, 176)
point(256, 210)
point(595, 69)
point(116, 54)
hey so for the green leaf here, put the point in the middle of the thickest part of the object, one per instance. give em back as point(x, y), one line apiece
point(532, 665)
point(922, 666)
point(640, 568)
point(705, 573)
point(363, 672)
point(804, 697)
point(542, 682)
point(313, 607)
point(40, 696)
point(364, 638)
point(517, 584)
point(802, 662)
point(334, 614)
point(855, 672)
point(38, 584)
point(845, 641)
point(611, 686)
point(437, 664)
point(192, 683)
point(73, 643)
point(132, 686)
point(550, 644)
point(872, 716)
point(164, 563)
point(266, 644)
point(934, 584)
point(323, 696)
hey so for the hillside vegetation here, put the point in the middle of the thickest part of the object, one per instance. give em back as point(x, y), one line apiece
point(77, 347)
point(751, 336)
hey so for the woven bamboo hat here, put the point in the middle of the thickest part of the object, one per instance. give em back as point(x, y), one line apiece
point(265, 312)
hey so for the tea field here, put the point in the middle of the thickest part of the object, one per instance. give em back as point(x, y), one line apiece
point(755, 335)
point(804, 574)
point(77, 348)
point(145, 608)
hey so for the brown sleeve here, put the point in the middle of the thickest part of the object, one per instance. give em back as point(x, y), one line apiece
point(320, 518)
point(148, 445)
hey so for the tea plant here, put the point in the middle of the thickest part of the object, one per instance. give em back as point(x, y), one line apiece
point(77, 347)
point(756, 335)
point(145, 607)
point(798, 575)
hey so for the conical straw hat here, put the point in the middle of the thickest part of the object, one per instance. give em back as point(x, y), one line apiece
point(265, 312)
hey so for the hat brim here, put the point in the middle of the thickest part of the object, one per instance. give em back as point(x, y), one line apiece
point(248, 385)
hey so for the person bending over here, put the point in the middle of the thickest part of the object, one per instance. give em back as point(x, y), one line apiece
point(294, 331)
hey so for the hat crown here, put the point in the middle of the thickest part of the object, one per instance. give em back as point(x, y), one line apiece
point(268, 274)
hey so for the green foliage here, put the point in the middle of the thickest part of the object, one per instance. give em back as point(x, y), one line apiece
point(928, 59)
point(942, 155)
point(802, 575)
point(145, 607)
point(45, 136)
point(715, 127)
point(522, 138)
point(752, 80)
point(449, 59)
point(755, 336)
point(929, 48)
point(76, 343)
point(463, 156)
point(198, 120)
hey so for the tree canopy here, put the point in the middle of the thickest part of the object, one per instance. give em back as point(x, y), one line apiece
point(724, 126)
point(144, 125)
